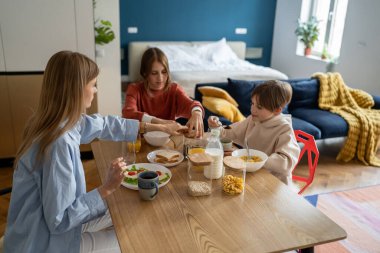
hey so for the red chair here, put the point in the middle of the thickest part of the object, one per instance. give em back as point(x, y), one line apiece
point(312, 157)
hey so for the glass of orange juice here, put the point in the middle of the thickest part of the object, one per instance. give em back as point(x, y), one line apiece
point(195, 150)
point(135, 145)
point(193, 146)
point(128, 153)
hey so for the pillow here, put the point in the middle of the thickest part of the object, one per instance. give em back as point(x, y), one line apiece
point(218, 52)
point(180, 57)
point(211, 91)
point(222, 107)
point(305, 93)
point(241, 91)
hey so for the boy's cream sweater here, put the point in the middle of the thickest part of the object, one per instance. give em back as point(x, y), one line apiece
point(275, 137)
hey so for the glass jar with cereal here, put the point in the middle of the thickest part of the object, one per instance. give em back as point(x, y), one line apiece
point(198, 184)
point(233, 181)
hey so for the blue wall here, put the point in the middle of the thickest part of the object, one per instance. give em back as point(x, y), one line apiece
point(176, 20)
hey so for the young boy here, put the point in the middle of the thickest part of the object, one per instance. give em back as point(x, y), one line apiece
point(267, 130)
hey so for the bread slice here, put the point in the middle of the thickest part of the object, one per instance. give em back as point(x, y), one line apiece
point(167, 156)
point(160, 160)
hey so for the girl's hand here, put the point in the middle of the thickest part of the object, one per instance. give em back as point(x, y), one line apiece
point(114, 178)
point(195, 124)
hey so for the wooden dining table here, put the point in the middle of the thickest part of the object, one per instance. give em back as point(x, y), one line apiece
point(266, 217)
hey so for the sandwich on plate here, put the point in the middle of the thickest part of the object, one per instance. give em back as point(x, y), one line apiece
point(166, 156)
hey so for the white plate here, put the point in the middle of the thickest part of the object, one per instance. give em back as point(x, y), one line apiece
point(152, 156)
point(151, 167)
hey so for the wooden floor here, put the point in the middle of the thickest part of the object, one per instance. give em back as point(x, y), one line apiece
point(330, 175)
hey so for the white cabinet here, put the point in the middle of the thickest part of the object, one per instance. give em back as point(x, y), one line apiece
point(32, 31)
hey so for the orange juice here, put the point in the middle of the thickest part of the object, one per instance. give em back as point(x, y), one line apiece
point(196, 150)
point(136, 145)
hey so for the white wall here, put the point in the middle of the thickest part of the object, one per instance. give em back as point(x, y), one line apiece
point(109, 79)
point(2, 60)
point(360, 53)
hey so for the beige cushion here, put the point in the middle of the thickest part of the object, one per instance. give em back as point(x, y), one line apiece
point(222, 107)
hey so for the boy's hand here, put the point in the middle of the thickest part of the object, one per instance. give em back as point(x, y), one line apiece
point(213, 121)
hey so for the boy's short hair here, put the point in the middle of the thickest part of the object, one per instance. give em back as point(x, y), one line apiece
point(273, 94)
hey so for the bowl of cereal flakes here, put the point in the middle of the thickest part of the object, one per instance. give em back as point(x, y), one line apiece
point(255, 160)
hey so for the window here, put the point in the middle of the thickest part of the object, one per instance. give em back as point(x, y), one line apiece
point(331, 15)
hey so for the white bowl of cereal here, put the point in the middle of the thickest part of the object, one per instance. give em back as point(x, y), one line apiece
point(157, 138)
point(255, 161)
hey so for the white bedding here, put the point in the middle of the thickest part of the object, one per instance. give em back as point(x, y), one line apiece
point(203, 62)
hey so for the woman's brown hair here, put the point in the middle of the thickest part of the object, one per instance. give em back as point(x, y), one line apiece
point(273, 94)
point(61, 101)
point(151, 55)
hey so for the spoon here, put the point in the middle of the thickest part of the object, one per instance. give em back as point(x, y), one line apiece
point(246, 147)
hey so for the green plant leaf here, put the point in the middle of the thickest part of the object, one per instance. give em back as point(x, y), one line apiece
point(308, 31)
point(103, 32)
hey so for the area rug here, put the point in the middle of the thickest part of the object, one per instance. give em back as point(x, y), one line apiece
point(358, 213)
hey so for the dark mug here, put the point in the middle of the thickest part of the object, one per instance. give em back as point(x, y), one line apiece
point(147, 183)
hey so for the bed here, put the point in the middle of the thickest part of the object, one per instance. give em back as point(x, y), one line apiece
point(202, 62)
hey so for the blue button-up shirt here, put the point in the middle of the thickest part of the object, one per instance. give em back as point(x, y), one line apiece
point(49, 202)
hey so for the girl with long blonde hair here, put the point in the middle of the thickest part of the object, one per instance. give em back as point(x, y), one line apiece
point(50, 210)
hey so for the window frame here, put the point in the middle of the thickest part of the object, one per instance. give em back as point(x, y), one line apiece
point(329, 42)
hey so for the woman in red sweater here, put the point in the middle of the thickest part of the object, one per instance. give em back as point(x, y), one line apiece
point(157, 99)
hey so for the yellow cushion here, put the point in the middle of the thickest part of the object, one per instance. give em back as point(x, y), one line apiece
point(222, 107)
point(210, 91)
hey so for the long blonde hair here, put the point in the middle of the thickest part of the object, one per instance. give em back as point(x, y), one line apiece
point(149, 57)
point(61, 101)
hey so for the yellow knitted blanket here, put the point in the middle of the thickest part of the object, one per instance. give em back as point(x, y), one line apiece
point(354, 106)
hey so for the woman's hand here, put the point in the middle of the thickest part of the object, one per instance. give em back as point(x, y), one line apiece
point(195, 124)
point(162, 121)
point(174, 128)
point(114, 178)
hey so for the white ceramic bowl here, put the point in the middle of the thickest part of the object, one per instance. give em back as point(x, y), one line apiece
point(157, 138)
point(252, 166)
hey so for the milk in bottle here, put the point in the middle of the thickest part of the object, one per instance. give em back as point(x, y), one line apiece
point(214, 149)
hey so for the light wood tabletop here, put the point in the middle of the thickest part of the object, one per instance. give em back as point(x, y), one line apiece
point(267, 217)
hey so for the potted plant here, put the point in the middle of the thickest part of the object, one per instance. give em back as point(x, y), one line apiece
point(103, 32)
point(325, 53)
point(308, 33)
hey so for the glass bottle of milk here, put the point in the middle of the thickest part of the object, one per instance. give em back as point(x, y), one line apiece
point(214, 149)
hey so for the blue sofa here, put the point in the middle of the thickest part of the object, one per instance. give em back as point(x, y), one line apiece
point(306, 115)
